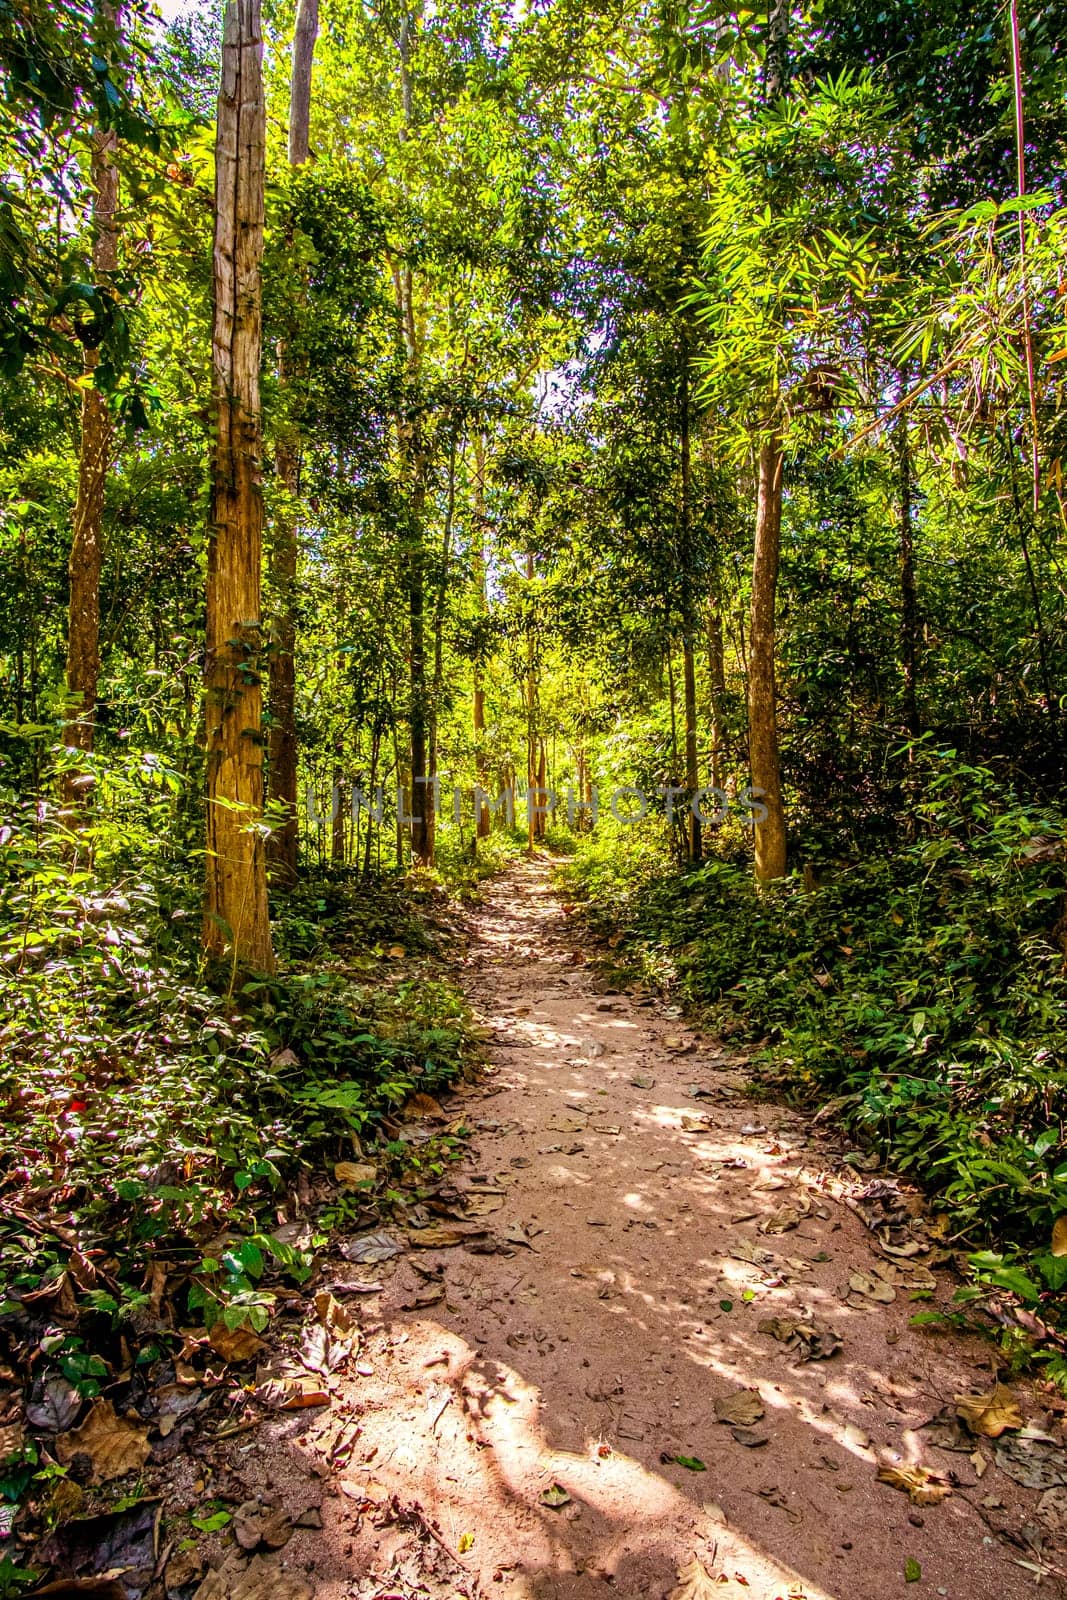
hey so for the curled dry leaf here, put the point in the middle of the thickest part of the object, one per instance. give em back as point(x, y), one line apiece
point(113, 1445)
point(695, 1583)
point(922, 1487)
point(262, 1578)
point(1059, 1236)
point(283, 1386)
point(438, 1237)
point(874, 1288)
point(808, 1339)
point(782, 1220)
point(554, 1497)
point(741, 1409)
point(990, 1415)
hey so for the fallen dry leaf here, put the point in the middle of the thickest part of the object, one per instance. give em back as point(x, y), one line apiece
point(424, 1105)
point(781, 1221)
point(922, 1487)
point(355, 1174)
point(438, 1237)
point(991, 1414)
point(1035, 1463)
point(262, 1578)
point(809, 1339)
point(695, 1583)
point(741, 1409)
point(235, 1345)
point(865, 1288)
point(255, 1524)
point(283, 1386)
point(113, 1445)
point(367, 1248)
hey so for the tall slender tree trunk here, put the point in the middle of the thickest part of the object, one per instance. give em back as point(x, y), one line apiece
point(694, 843)
point(762, 710)
point(482, 820)
point(94, 459)
point(236, 917)
point(411, 449)
point(440, 601)
point(909, 609)
point(717, 688)
point(283, 751)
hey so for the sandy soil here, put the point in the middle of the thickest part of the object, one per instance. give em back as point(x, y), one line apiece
point(508, 1426)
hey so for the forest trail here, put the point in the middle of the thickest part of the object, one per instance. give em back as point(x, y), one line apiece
point(581, 1360)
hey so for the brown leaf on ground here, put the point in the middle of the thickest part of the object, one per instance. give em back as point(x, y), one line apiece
point(782, 1220)
point(255, 1524)
point(367, 1248)
point(355, 1174)
point(284, 1387)
point(695, 1583)
point(873, 1288)
point(741, 1409)
point(922, 1486)
point(424, 1105)
point(113, 1445)
point(810, 1340)
point(990, 1415)
point(262, 1578)
point(1035, 1463)
point(235, 1345)
point(436, 1237)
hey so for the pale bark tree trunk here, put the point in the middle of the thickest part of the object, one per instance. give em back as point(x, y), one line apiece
point(482, 820)
point(412, 452)
point(440, 601)
point(762, 710)
point(285, 841)
point(94, 459)
point(694, 842)
point(236, 917)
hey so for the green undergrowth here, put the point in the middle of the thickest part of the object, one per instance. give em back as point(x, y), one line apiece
point(922, 992)
point(152, 1128)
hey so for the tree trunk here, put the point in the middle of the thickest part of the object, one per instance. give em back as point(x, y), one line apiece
point(236, 917)
point(285, 840)
point(482, 820)
point(762, 710)
point(692, 774)
point(307, 31)
point(94, 457)
point(717, 682)
point(909, 616)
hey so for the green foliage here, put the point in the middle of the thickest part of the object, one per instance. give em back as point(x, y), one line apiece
point(922, 993)
point(164, 1115)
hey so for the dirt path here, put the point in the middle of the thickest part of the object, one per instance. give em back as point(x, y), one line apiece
point(585, 1358)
